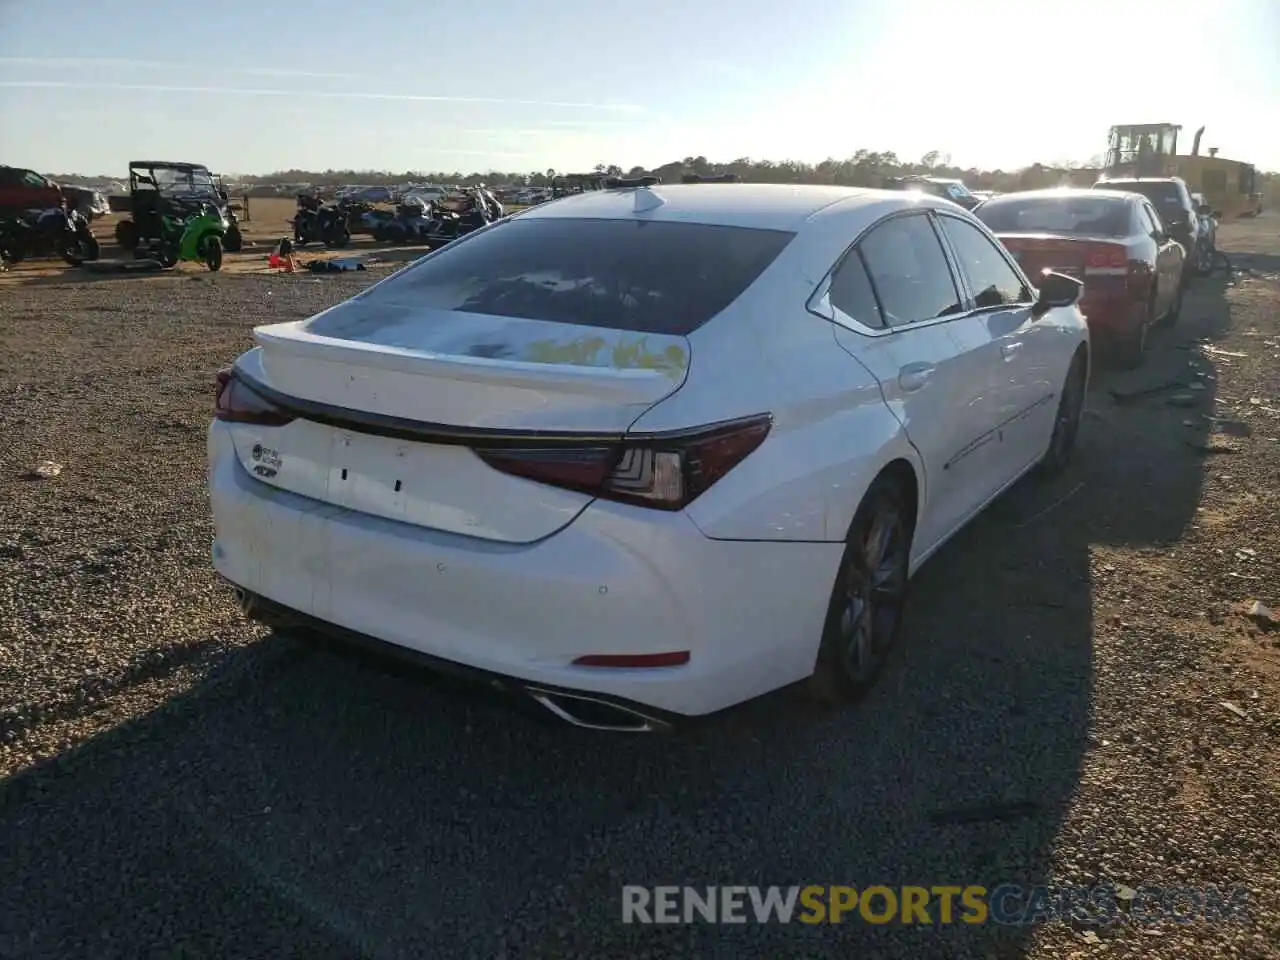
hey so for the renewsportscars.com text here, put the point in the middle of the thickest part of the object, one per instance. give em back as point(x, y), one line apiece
point(1007, 904)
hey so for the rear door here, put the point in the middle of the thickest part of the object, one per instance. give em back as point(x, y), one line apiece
point(1168, 263)
point(901, 312)
point(1002, 301)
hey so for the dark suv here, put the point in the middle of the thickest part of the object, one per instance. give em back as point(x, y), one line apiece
point(953, 190)
point(1172, 200)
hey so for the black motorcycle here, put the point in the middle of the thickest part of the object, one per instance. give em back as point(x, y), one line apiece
point(316, 222)
point(411, 223)
point(48, 233)
point(354, 212)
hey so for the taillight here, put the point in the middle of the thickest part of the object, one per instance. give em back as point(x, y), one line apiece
point(666, 473)
point(236, 403)
point(1106, 259)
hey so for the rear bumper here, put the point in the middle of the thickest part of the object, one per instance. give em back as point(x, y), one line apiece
point(1112, 316)
point(598, 711)
point(619, 580)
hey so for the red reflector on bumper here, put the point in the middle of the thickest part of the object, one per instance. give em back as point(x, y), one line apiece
point(674, 659)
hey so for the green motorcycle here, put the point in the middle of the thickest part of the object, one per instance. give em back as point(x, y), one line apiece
point(197, 237)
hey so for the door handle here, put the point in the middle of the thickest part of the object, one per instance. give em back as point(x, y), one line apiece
point(1009, 350)
point(914, 376)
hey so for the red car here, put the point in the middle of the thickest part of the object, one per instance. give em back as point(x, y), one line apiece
point(1114, 242)
point(22, 189)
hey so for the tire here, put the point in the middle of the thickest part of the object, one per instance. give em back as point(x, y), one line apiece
point(1175, 308)
point(127, 235)
point(337, 236)
point(71, 252)
point(82, 249)
point(213, 254)
point(1205, 258)
point(1066, 425)
point(234, 241)
point(864, 616)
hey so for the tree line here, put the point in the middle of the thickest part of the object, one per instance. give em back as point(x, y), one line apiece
point(866, 168)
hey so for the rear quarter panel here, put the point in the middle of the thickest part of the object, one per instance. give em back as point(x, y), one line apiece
point(832, 432)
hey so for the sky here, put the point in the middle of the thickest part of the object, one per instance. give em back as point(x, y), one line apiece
point(250, 87)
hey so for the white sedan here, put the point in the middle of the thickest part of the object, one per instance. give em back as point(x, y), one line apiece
point(647, 452)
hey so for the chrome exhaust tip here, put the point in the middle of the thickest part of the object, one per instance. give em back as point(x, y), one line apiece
point(256, 610)
point(593, 713)
point(246, 601)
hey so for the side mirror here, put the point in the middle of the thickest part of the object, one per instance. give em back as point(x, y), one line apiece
point(1056, 290)
point(1216, 214)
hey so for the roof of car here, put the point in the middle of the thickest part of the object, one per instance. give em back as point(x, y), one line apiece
point(763, 206)
point(168, 164)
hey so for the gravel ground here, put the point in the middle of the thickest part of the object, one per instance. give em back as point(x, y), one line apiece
point(1080, 697)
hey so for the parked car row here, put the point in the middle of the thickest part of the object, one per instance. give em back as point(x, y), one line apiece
point(649, 451)
point(1134, 243)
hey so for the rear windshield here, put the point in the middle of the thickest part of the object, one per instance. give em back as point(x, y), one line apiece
point(1163, 194)
point(648, 277)
point(1083, 216)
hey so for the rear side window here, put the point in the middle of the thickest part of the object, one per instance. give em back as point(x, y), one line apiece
point(851, 292)
point(643, 276)
point(1150, 219)
point(910, 271)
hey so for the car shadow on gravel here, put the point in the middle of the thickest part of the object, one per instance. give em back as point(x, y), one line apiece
point(307, 800)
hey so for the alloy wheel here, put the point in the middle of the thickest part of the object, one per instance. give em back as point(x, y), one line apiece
point(874, 591)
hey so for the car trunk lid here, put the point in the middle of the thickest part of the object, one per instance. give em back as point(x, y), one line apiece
point(1061, 253)
point(389, 399)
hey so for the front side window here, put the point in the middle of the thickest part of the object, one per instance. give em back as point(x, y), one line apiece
point(904, 258)
point(994, 283)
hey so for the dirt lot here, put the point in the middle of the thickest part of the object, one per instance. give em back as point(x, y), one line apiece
point(1080, 698)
